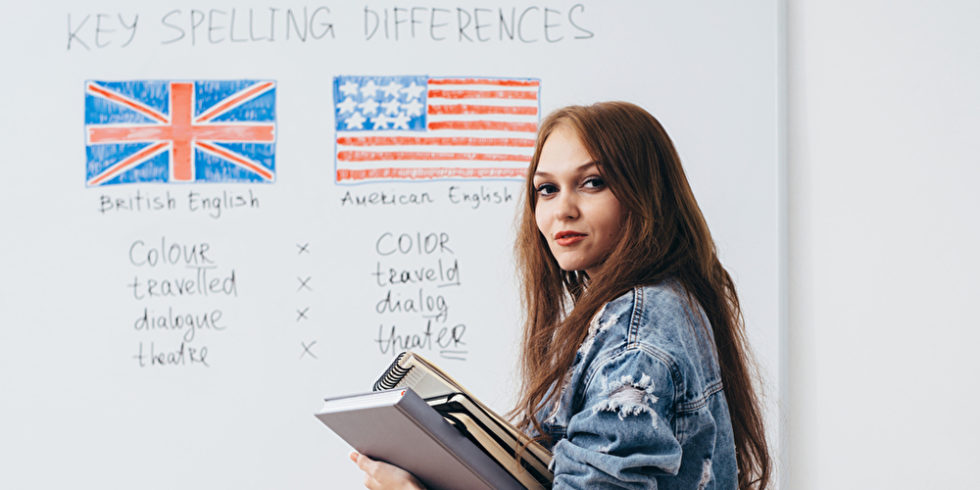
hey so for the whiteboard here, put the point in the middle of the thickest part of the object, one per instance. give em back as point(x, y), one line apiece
point(298, 283)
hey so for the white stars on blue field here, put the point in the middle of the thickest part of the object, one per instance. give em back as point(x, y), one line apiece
point(369, 103)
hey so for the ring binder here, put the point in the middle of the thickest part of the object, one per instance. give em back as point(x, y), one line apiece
point(491, 432)
point(398, 427)
point(458, 411)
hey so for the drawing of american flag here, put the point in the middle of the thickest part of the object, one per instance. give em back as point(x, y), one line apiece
point(180, 131)
point(419, 127)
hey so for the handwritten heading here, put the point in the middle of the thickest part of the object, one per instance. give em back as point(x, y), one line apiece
point(526, 24)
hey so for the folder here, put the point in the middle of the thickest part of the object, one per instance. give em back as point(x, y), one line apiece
point(399, 427)
point(420, 419)
point(497, 437)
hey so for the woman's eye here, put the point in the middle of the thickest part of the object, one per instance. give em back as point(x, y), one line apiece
point(547, 189)
point(594, 183)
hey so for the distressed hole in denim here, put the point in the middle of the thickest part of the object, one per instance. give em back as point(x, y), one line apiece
point(628, 398)
point(605, 449)
point(595, 328)
point(610, 322)
point(705, 475)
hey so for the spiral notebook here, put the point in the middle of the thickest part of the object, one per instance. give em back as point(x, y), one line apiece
point(490, 431)
point(422, 420)
point(398, 427)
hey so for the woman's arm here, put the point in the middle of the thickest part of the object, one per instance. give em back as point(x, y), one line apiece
point(621, 435)
point(380, 475)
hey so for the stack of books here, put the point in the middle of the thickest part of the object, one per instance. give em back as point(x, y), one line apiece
point(420, 419)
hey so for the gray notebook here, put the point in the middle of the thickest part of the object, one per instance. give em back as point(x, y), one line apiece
point(399, 427)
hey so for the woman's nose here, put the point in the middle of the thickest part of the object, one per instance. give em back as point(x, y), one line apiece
point(567, 206)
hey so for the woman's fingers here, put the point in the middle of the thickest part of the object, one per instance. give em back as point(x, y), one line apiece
point(373, 473)
point(380, 475)
point(372, 484)
point(365, 463)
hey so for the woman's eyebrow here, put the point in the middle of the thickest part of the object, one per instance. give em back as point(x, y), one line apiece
point(580, 169)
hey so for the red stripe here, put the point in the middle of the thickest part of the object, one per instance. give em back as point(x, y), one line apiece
point(210, 132)
point(410, 140)
point(242, 133)
point(484, 81)
point(482, 109)
point(236, 159)
point(120, 167)
point(489, 125)
point(482, 94)
point(429, 173)
point(142, 109)
point(119, 134)
point(234, 100)
point(374, 156)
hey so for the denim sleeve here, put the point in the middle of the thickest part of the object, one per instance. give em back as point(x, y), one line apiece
point(622, 436)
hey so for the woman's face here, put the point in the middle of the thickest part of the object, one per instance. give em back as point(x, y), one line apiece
point(578, 215)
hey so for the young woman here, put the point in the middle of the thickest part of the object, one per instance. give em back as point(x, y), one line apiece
point(634, 362)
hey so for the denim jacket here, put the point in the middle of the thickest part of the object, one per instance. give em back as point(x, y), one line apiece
point(642, 405)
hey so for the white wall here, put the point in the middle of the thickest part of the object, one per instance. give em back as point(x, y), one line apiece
point(883, 145)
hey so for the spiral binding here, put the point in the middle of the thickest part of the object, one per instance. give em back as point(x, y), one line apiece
point(393, 375)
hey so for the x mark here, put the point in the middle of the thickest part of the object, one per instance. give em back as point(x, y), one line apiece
point(303, 248)
point(307, 351)
point(301, 314)
point(304, 283)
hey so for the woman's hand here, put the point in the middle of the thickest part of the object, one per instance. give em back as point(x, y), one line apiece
point(380, 475)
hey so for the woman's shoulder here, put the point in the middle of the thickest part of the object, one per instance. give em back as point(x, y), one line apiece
point(662, 322)
point(658, 314)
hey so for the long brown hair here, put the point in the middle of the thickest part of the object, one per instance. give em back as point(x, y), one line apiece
point(664, 237)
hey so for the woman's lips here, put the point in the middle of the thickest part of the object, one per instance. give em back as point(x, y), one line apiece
point(566, 238)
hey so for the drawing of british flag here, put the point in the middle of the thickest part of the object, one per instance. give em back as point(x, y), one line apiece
point(180, 131)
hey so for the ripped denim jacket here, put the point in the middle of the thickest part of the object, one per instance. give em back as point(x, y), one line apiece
point(643, 406)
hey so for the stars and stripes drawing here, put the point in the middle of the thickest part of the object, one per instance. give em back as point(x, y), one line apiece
point(420, 127)
point(180, 131)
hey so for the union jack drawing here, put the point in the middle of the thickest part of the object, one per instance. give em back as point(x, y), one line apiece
point(180, 131)
point(420, 127)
